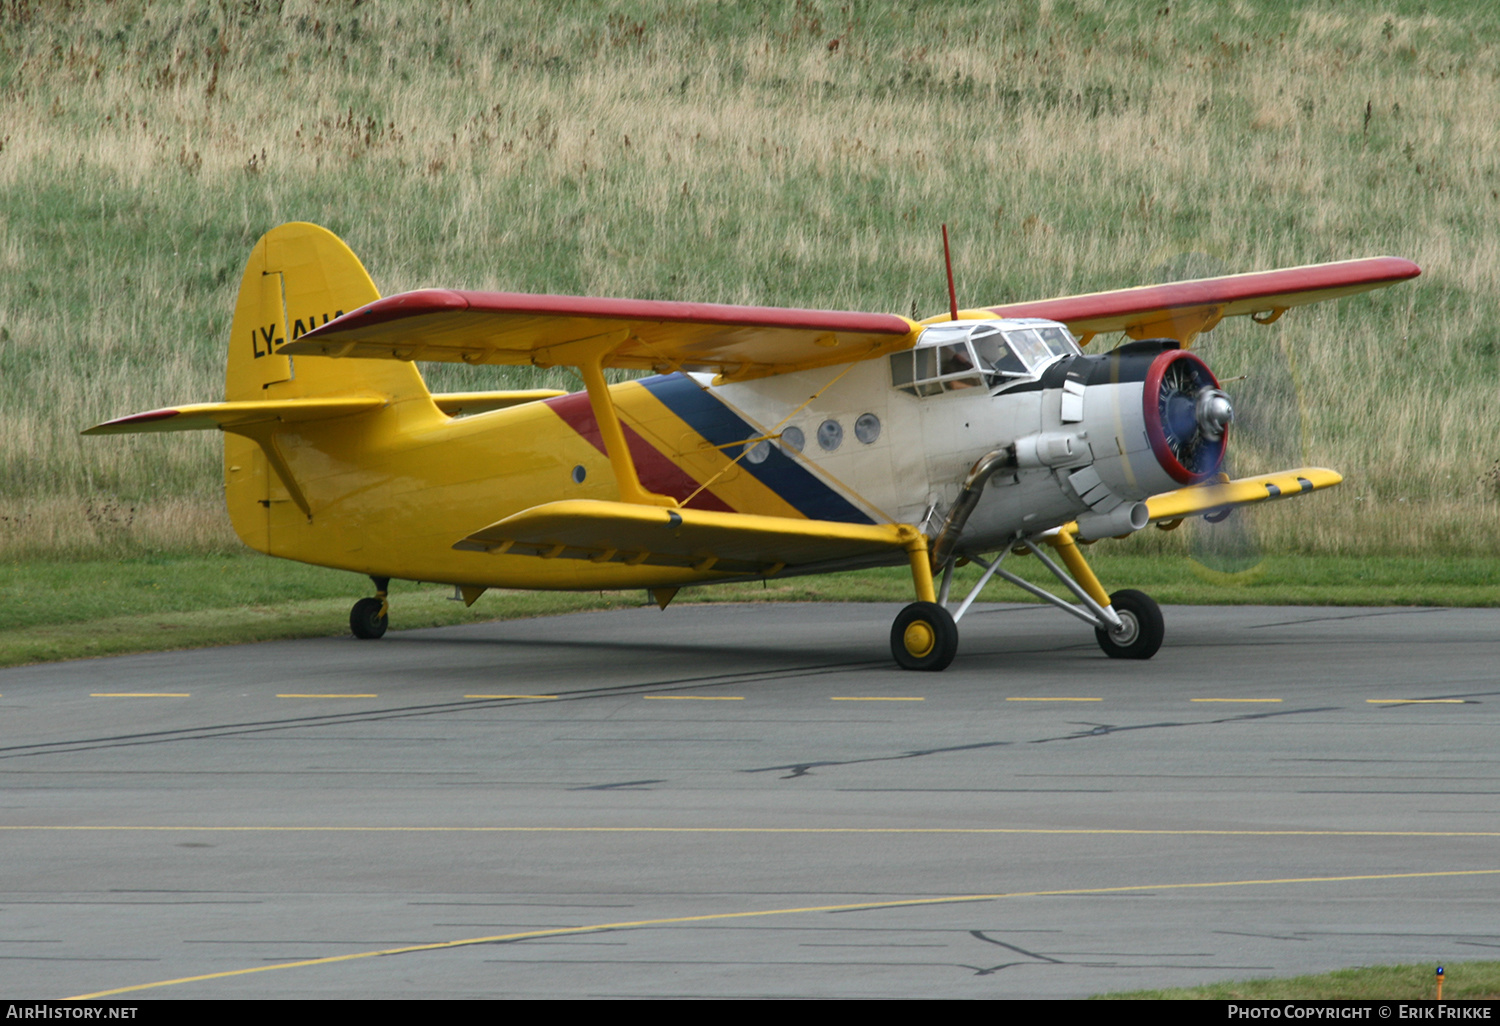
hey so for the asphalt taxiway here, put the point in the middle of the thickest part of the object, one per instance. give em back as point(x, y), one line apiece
point(753, 801)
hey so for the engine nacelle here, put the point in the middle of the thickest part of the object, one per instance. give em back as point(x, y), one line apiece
point(1155, 419)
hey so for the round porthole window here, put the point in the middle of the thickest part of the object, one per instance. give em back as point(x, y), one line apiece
point(792, 438)
point(579, 474)
point(830, 435)
point(867, 428)
point(758, 452)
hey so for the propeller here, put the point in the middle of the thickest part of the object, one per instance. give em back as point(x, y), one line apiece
point(1254, 368)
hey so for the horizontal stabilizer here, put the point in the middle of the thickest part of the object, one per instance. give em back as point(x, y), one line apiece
point(1225, 494)
point(515, 328)
point(229, 416)
point(466, 404)
point(703, 540)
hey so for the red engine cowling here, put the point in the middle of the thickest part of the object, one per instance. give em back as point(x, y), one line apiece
point(1187, 416)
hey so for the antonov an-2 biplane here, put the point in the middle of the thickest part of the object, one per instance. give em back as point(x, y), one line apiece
point(767, 442)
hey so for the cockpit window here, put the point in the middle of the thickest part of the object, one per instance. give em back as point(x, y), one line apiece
point(958, 355)
point(1059, 341)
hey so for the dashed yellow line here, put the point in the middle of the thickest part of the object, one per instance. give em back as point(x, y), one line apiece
point(326, 696)
point(510, 696)
point(854, 698)
point(140, 694)
point(1416, 701)
point(696, 698)
point(1236, 700)
point(1051, 699)
point(564, 931)
point(1100, 831)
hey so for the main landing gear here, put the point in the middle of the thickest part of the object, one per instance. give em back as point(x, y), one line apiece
point(371, 616)
point(924, 637)
point(1127, 624)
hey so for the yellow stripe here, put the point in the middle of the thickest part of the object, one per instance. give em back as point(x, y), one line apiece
point(1416, 701)
point(564, 931)
point(510, 696)
point(140, 694)
point(697, 698)
point(853, 699)
point(1122, 831)
point(327, 696)
point(1054, 699)
point(1240, 700)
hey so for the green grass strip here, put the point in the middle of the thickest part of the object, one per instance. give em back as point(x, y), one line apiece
point(1463, 981)
point(77, 609)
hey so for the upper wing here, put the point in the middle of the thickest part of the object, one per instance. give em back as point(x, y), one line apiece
point(754, 341)
point(1182, 309)
point(508, 327)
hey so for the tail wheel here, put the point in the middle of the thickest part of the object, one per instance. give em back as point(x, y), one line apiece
point(924, 637)
point(368, 618)
point(1141, 627)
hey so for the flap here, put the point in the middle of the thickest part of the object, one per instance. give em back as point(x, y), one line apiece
point(703, 540)
point(229, 416)
point(516, 328)
point(1224, 493)
point(1185, 308)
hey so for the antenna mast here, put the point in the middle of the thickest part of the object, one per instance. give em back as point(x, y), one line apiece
point(948, 260)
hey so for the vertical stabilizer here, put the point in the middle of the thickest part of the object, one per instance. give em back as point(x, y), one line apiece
point(299, 276)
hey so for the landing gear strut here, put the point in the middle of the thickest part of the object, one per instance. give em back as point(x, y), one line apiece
point(370, 616)
point(1127, 624)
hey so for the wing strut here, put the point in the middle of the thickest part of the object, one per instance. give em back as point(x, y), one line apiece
point(590, 356)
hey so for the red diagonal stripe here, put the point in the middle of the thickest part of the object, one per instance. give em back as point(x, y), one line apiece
point(657, 473)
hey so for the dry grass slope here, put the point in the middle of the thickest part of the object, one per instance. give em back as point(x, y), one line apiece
point(788, 154)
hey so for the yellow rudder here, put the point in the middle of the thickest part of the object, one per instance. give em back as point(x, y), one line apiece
point(299, 276)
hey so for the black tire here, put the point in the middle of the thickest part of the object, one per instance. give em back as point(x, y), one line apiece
point(1143, 631)
point(924, 637)
point(366, 619)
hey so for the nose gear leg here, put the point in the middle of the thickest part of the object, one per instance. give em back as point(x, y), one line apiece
point(1127, 624)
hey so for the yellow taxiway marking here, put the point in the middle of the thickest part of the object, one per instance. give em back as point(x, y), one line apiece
point(140, 694)
point(1416, 701)
point(1054, 699)
point(564, 931)
point(841, 698)
point(510, 696)
point(1240, 700)
point(1101, 831)
point(696, 698)
point(326, 696)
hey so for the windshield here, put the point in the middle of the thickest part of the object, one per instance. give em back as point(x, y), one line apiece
point(959, 355)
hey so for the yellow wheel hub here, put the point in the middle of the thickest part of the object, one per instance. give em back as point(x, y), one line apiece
point(919, 638)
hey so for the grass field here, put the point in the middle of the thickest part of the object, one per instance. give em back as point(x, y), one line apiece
point(788, 154)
